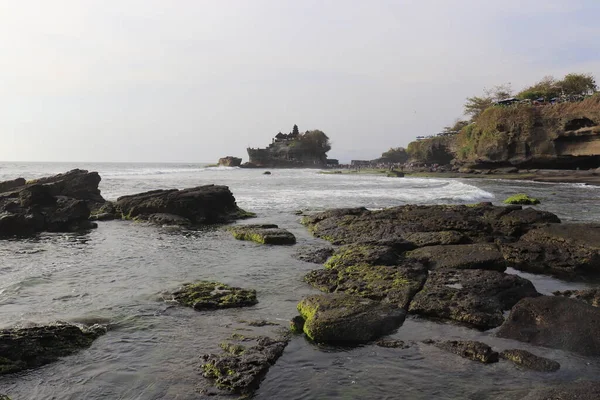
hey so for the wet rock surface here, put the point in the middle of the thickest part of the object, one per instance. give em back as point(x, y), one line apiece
point(469, 349)
point(555, 322)
point(60, 203)
point(565, 250)
point(318, 255)
point(263, 234)
point(207, 295)
point(27, 348)
point(344, 319)
point(529, 360)
point(474, 297)
point(466, 256)
point(590, 296)
point(209, 204)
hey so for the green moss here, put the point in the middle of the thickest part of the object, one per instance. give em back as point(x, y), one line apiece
point(232, 348)
point(206, 295)
point(521, 198)
point(243, 214)
point(4, 397)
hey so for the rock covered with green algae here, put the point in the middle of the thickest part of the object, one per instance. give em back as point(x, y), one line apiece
point(474, 297)
point(521, 198)
point(4, 397)
point(469, 349)
point(208, 295)
point(263, 234)
point(240, 369)
point(27, 348)
point(344, 319)
point(529, 360)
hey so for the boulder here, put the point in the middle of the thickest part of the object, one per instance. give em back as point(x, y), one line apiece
point(12, 184)
point(590, 296)
point(394, 284)
point(345, 319)
point(469, 349)
point(240, 369)
point(209, 204)
point(529, 360)
point(565, 250)
point(465, 256)
point(207, 295)
point(78, 184)
point(263, 234)
point(316, 255)
point(230, 161)
point(27, 348)
point(555, 322)
point(392, 344)
point(474, 297)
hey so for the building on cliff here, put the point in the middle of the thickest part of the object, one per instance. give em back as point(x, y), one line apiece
point(292, 150)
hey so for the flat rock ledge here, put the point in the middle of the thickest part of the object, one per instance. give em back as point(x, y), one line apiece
point(529, 360)
point(243, 363)
point(469, 349)
point(28, 348)
point(344, 319)
point(263, 234)
point(208, 295)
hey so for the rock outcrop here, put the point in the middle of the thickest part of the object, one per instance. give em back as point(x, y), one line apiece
point(528, 360)
point(27, 348)
point(556, 322)
point(590, 296)
point(207, 295)
point(209, 204)
point(469, 349)
point(263, 234)
point(230, 161)
point(59, 203)
point(345, 319)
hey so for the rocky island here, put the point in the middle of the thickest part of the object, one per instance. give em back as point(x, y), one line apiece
point(292, 150)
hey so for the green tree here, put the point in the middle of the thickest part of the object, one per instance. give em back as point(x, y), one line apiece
point(547, 88)
point(475, 105)
point(316, 142)
point(578, 84)
point(396, 155)
point(455, 128)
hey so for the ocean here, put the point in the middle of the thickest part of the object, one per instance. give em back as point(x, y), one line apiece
point(115, 274)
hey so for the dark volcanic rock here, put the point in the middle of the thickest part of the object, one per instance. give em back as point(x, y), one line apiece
point(360, 254)
point(466, 256)
point(12, 184)
point(469, 349)
point(392, 344)
point(556, 322)
point(474, 297)
point(529, 360)
point(479, 223)
point(207, 204)
point(56, 204)
point(316, 255)
point(395, 284)
point(345, 319)
point(558, 249)
point(263, 234)
point(590, 296)
point(422, 239)
point(241, 369)
point(205, 295)
point(230, 161)
point(28, 348)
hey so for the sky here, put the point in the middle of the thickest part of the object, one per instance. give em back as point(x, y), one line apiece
point(196, 80)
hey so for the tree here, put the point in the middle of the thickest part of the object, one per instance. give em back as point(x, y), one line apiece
point(295, 131)
point(476, 105)
point(396, 155)
point(547, 88)
point(578, 84)
point(316, 142)
point(457, 127)
point(500, 92)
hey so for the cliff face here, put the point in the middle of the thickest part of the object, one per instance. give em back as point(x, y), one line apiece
point(564, 135)
point(436, 150)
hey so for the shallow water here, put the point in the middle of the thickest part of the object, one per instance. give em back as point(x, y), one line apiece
point(115, 275)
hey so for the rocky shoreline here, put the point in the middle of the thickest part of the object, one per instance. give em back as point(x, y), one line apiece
point(444, 263)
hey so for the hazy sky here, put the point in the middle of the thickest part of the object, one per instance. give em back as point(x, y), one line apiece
point(194, 80)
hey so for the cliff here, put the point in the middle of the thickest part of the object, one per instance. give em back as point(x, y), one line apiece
point(552, 136)
point(293, 150)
